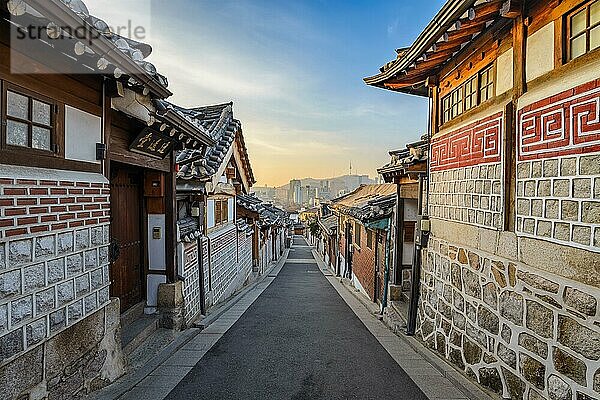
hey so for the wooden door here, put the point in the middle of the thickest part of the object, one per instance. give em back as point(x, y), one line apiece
point(126, 236)
point(380, 265)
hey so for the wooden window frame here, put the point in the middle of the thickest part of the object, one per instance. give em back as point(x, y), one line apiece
point(370, 234)
point(53, 127)
point(357, 234)
point(221, 211)
point(452, 109)
point(567, 28)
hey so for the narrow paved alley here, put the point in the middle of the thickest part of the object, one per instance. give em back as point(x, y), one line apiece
point(299, 340)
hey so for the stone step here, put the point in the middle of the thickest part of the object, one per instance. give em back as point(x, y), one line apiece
point(135, 312)
point(136, 332)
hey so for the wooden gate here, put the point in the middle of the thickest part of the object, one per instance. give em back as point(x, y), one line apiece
point(126, 236)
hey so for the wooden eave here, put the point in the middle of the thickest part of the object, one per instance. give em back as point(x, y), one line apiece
point(449, 34)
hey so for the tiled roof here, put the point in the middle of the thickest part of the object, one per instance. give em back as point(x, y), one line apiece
point(218, 123)
point(268, 213)
point(368, 202)
point(189, 229)
point(329, 223)
point(135, 51)
point(403, 159)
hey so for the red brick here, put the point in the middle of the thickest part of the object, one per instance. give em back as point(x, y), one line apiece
point(97, 185)
point(98, 214)
point(58, 209)
point(103, 220)
point(16, 232)
point(27, 221)
point(74, 224)
point(58, 191)
point(67, 200)
point(93, 221)
point(83, 215)
point(105, 191)
point(15, 211)
point(100, 199)
point(6, 222)
point(26, 202)
point(49, 218)
point(15, 192)
point(63, 217)
point(83, 184)
point(92, 191)
point(49, 183)
point(26, 182)
point(76, 207)
point(56, 227)
point(38, 191)
point(39, 228)
point(75, 191)
point(66, 183)
point(84, 199)
point(586, 87)
point(6, 202)
point(49, 200)
point(91, 207)
point(4, 181)
point(38, 210)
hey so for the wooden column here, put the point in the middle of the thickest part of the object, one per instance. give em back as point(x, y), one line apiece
point(171, 222)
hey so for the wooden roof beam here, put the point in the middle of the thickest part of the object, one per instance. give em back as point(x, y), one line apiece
point(466, 31)
point(511, 9)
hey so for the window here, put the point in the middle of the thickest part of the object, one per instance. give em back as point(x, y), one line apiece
point(221, 211)
point(370, 239)
point(469, 94)
point(29, 121)
point(486, 84)
point(357, 230)
point(583, 33)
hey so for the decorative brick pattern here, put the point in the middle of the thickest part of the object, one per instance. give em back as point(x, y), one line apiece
point(520, 334)
point(558, 199)
point(244, 256)
point(475, 144)
point(223, 261)
point(563, 124)
point(191, 283)
point(53, 257)
point(472, 195)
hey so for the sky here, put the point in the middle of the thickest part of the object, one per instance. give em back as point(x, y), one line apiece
point(294, 71)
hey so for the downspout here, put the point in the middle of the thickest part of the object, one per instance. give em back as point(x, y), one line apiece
point(386, 276)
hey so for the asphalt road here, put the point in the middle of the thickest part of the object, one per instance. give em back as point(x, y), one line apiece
point(299, 340)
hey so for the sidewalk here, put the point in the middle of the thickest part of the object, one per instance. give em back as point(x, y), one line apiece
point(437, 379)
point(161, 374)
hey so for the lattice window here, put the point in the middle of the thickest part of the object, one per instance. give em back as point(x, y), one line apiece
point(583, 29)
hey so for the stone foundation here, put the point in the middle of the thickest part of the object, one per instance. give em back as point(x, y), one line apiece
point(519, 332)
point(77, 361)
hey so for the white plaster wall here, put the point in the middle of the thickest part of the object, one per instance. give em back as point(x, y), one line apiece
point(82, 131)
point(152, 282)
point(230, 209)
point(504, 72)
point(540, 52)
point(210, 214)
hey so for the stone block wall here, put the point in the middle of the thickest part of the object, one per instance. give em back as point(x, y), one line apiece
point(558, 168)
point(223, 261)
point(466, 175)
point(518, 332)
point(54, 267)
point(191, 283)
point(244, 256)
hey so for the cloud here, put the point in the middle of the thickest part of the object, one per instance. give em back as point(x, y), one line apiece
point(393, 27)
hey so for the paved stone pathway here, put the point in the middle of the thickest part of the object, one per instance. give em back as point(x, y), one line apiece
point(298, 334)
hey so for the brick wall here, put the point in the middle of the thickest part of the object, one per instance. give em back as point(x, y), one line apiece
point(54, 272)
point(558, 168)
point(191, 283)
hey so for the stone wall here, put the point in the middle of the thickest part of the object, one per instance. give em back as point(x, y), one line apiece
point(244, 256)
point(189, 258)
point(223, 261)
point(54, 272)
point(558, 168)
point(519, 333)
point(466, 177)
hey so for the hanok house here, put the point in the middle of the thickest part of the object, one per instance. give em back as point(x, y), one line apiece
point(364, 220)
point(208, 182)
point(328, 232)
point(269, 226)
point(510, 279)
point(84, 176)
point(407, 169)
